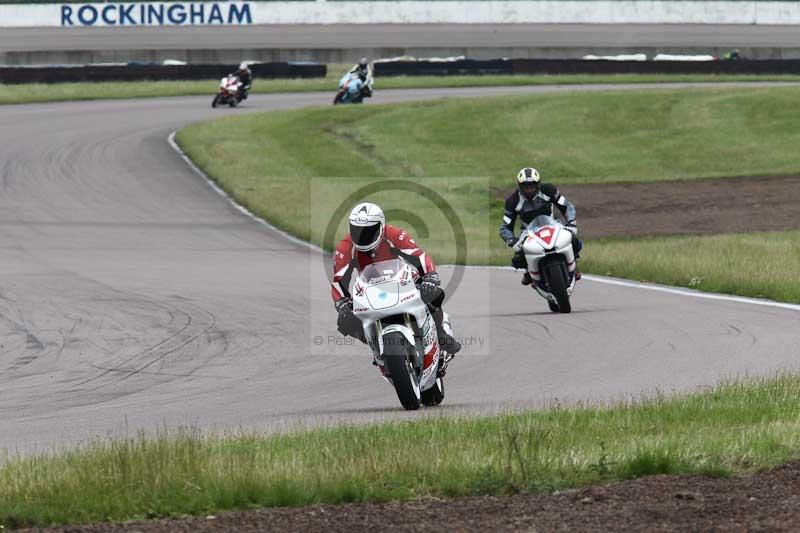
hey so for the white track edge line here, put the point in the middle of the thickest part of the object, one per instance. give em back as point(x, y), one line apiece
point(588, 277)
point(692, 293)
point(234, 203)
point(680, 291)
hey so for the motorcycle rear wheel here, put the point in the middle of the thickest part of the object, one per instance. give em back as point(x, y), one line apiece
point(397, 354)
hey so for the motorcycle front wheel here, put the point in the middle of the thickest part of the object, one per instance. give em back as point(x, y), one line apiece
point(557, 281)
point(215, 101)
point(397, 354)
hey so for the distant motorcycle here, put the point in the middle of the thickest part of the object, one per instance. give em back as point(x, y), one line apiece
point(547, 246)
point(229, 92)
point(353, 90)
point(401, 331)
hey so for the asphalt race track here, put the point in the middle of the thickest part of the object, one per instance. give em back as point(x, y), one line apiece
point(401, 35)
point(132, 295)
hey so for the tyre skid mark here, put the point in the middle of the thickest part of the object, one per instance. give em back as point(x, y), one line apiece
point(161, 357)
point(137, 354)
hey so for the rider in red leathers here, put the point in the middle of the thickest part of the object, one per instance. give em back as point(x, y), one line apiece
point(372, 240)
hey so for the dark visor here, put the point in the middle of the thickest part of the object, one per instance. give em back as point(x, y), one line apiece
point(363, 236)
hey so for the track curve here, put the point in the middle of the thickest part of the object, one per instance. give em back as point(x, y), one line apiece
point(132, 295)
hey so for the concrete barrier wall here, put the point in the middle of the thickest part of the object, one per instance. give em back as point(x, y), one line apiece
point(416, 12)
point(233, 56)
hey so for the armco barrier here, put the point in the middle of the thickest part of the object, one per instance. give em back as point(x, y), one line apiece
point(137, 72)
point(580, 66)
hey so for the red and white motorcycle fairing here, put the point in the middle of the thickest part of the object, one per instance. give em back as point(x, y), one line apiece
point(228, 93)
point(547, 246)
point(388, 303)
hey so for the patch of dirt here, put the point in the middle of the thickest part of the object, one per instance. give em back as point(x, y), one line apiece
point(697, 207)
point(769, 501)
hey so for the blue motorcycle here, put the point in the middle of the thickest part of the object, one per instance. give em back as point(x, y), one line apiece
point(352, 89)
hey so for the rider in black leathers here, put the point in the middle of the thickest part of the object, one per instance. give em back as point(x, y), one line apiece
point(531, 199)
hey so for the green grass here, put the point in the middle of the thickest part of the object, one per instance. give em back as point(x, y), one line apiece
point(42, 92)
point(736, 427)
point(300, 156)
point(763, 265)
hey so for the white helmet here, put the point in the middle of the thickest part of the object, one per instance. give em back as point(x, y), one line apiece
point(243, 66)
point(528, 181)
point(367, 222)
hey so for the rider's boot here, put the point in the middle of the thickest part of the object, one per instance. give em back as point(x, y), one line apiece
point(526, 278)
point(447, 342)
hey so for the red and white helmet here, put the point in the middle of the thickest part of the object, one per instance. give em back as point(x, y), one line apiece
point(528, 181)
point(367, 223)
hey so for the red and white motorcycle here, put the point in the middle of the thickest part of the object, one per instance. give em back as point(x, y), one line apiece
point(401, 332)
point(228, 92)
point(547, 246)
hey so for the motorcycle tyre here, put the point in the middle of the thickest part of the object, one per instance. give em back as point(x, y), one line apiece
point(557, 282)
point(397, 358)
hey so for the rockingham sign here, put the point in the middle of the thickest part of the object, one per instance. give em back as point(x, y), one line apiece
point(131, 14)
point(127, 14)
point(156, 14)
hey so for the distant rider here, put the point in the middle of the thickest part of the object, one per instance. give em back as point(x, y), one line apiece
point(371, 240)
point(363, 69)
point(530, 200)
point(364, 72)
point(245, 76)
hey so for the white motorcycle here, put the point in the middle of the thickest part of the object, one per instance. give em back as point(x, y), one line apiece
point(547, 246)
point(401, 331)
point(228, 92)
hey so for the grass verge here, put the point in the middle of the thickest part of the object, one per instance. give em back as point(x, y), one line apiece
point(736, 427)
point(760, 265)
point(301, 156)
point(58, 92)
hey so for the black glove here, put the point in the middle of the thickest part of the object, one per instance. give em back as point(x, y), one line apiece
point(429, 287)
point(348, 323)
point(511, 241)
point(571, 226)
point(344, 307)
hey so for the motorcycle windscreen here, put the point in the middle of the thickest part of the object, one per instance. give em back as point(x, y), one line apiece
point(365, 235)
point(542, 221)
point(381, 271)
